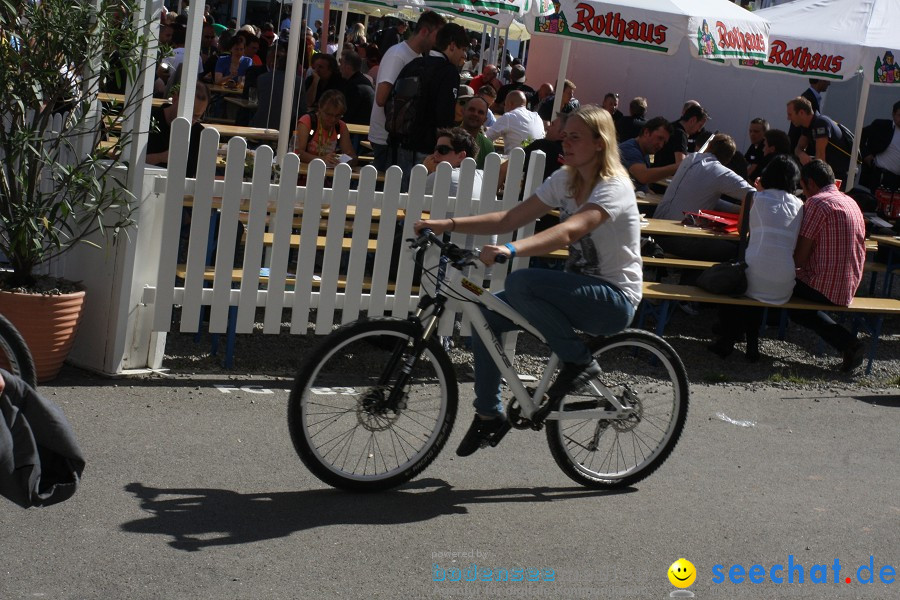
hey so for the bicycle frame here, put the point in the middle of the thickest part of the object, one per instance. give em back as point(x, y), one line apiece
point(477, 297)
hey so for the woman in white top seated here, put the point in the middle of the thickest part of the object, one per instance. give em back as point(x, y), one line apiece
point(600, 289)
point(775, 218)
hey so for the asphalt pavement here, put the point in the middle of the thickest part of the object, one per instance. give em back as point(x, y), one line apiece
point(192, 490)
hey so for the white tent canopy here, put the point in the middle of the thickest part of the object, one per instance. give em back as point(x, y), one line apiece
point(837, 39)
point(716, 29)
point(830, 39)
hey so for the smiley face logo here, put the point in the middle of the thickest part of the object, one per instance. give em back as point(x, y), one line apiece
point(682, 573)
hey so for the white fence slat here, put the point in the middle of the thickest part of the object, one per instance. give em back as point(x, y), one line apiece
point(405, 264)
point(334, 238)
point(487, 204)
point(533, 180)
point(510, 199)
point(385, 241)
point(308, 251)
point(227, 239)
point(359, 252)
point(253, 246)
point(200, 230)
point(171, 226)
point(281, 223)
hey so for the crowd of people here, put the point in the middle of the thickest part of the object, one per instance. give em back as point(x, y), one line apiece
point(428, 98)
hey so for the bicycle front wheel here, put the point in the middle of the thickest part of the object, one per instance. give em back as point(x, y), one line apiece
point(349, 424)
point(645, 374)
point(14, 354)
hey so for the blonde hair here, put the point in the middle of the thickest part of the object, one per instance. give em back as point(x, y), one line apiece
point(600, 122)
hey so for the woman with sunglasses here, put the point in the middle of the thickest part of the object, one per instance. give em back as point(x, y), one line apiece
point(322, 133)
point(600, 289)
point(453, 146)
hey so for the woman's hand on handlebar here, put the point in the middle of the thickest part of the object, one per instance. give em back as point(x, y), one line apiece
point(438, 226)
point(492, 254)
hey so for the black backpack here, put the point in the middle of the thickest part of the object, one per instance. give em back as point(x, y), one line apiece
point(401, 108)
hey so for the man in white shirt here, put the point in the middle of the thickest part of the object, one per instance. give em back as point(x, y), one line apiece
point(393, 61)
point(517, 125)
point(880, 150)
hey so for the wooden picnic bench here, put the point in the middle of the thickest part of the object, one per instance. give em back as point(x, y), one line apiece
point(667, 295)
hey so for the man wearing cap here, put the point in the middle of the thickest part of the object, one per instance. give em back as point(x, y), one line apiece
point(517, 125)
point(517, 76)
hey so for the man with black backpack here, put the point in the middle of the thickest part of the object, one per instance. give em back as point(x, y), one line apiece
point(424, 99)
point(392, 62)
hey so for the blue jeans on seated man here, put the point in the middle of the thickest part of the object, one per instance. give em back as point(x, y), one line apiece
point(556, 303)
point(834, 335)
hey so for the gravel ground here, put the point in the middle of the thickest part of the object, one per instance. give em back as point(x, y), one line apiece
point(801, 360)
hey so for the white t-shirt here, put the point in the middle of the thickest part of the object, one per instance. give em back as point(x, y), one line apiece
point(612, 251)
point(775, 218)
point(889, 160)
point(515, 127)
point(454, 183)
point(397, 57)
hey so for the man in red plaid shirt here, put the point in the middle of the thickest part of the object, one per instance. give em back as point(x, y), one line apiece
point(829, 257)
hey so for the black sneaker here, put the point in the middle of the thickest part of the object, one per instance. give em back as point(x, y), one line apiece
point(480, 434)
point(573, 377)
point(853, 356)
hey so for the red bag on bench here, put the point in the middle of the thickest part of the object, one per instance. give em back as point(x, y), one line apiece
point(712, 219)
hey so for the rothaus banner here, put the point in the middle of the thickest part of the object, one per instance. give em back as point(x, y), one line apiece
point(808, 58)
point(716, 30)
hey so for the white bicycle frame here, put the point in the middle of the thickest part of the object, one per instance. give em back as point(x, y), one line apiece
point(475, 297)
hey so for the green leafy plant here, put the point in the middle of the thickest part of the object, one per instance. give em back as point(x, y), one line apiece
point(56, 178)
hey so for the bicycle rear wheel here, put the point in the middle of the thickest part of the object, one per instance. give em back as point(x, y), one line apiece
point(643, 372)
point(342, 424)
point(14, 354)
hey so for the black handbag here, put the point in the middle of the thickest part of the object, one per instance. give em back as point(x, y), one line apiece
point(730, 278)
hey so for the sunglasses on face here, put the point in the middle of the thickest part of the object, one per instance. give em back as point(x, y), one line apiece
point(443, 149)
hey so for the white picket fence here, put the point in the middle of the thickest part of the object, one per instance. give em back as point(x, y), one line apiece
point(278, 209)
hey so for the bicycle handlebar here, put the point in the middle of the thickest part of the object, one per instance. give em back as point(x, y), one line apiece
point(454, 252)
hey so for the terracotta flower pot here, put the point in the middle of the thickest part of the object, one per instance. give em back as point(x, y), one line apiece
point(47, 323)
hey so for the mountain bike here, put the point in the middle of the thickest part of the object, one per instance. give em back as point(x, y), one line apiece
point(376, 402)
point(14, 354)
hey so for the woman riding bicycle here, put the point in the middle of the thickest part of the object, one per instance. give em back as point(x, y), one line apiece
point(600, 289)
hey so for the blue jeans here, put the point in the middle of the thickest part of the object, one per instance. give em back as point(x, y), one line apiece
point(556, 303)
point(407, 159)
point(383, 156)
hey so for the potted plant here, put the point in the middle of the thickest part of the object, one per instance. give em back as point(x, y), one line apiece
point(57, 188)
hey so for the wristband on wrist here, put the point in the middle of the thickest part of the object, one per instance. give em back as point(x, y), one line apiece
point(511, 248)
point(452, 224)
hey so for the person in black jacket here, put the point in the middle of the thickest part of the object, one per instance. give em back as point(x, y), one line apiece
point(358, 90)
point(40, 461)
point(436, 100)
point(880, 149)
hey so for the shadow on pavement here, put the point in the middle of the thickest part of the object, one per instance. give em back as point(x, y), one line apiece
point(196, 518)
